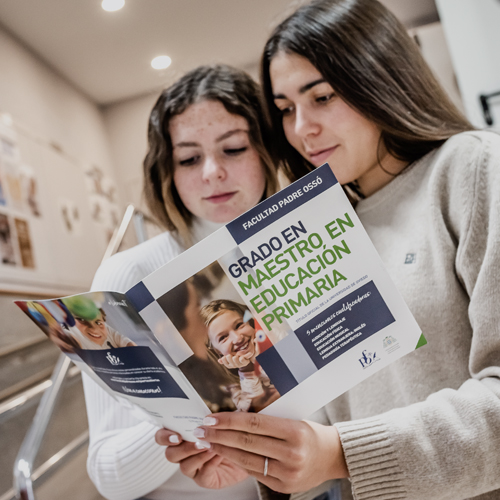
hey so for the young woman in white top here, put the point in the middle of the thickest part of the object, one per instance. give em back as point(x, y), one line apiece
point(207, 163)
point(345, 84)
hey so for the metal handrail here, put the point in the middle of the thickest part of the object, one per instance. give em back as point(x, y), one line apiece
point(24, 476)
point(12, 406)
point(23, 467)
point(55, 461)
point(138, 218)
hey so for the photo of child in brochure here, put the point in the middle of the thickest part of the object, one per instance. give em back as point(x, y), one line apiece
point(76, 322)
point(232, 334)
point(225, 341)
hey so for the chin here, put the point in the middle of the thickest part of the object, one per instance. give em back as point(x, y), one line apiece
point(224, 218)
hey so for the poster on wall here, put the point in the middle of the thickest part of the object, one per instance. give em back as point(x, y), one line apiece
point(25, 245)
point(9, 168)
point(7, 251)
point(30, 192)
point(3, 200)
point(70, 216)
point(103, 200)
point(46, 224)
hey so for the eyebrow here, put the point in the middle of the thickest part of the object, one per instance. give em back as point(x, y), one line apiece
point(302, 89)
point(225, 135)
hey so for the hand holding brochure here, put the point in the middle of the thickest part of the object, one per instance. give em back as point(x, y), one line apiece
point(280, 311)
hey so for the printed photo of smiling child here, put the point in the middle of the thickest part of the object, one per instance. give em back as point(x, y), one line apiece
point(224, 340)
point(92, 332)
point(232, 335)
point(73, 323)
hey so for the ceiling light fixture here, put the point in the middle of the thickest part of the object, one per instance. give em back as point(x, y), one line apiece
point(112, 5)
point(161, 62)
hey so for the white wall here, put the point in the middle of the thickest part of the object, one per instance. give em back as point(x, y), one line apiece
point(127, 125)
point(61, 133)
point(44, 103)
point(432, 42)
point(472, 28)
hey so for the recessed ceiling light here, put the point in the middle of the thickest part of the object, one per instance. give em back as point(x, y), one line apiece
point(161, 62)
point(112, 5)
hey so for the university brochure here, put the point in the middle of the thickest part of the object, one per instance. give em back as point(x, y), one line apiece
point(279, 312)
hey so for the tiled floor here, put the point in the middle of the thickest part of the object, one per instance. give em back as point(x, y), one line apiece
point(71, 481)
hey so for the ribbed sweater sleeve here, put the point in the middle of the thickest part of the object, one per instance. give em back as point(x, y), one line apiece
point(447, 445)
point(124, 462)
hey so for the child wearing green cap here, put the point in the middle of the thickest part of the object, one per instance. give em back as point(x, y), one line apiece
point(96, 334)
point(92, 331)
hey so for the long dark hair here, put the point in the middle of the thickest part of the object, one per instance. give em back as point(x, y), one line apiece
point(370, 61)
point(240, 95)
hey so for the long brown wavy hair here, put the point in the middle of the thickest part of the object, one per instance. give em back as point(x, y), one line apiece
point(240, 95)
point(370, 61)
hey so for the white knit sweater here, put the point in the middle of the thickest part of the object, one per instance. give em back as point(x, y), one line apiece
point(124, 461)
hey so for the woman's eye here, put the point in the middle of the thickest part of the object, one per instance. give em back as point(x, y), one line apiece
point(285, 111)
point(189, 161)
point(235, 151)
point(325, 98)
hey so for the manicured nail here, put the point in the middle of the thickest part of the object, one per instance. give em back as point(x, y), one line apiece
point(209, 421)
point(174, 438)
point(202, 445)
point(199, 433)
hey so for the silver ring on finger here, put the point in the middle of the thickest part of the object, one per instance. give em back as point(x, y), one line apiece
point(266, 465)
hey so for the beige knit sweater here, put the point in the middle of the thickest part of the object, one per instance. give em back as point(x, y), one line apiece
point(428, 426)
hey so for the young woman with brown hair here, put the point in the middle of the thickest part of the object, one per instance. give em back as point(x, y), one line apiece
point(207, 163)
point(345, 84)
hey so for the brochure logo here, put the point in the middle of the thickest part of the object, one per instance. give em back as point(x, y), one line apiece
point(388, 341)
point(390, 344)
point(122, 303)
point(114, 360)
point(368, 358)
point(411, 258)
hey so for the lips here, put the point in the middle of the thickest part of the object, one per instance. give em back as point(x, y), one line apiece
point(241, 346)
point(93, 335)
point(220, 197)
point(319, 156)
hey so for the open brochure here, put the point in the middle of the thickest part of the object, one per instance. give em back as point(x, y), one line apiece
point(279, 312)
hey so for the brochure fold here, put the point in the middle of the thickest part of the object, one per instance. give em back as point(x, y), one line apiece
point(280, 311)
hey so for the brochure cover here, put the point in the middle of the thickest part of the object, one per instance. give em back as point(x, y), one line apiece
point(279, 312)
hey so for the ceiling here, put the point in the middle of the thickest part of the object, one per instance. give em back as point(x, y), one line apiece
point(107, 54)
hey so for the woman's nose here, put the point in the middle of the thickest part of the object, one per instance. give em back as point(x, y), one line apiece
point(212, 169)
point(305, 124)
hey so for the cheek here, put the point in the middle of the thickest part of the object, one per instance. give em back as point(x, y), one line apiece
point(251, 175)
point(219, 348)
point(185, 182)
point(290, 134)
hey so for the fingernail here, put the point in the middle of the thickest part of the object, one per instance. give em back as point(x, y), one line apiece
point(202, 445)
point(174, 439)
point(209, 421)
point(199, 433)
